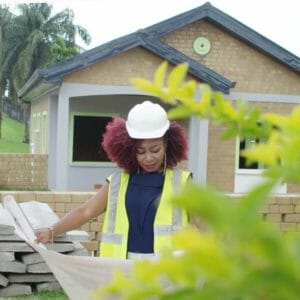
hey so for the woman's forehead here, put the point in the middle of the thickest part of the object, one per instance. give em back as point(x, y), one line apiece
point(150, 142)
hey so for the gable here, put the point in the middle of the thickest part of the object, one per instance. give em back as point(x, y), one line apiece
point(120, 69)
point(252, 70)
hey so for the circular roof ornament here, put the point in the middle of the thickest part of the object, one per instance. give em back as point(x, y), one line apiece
point(202, 45)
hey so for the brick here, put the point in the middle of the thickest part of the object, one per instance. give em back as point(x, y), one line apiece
point(85, 227)
point(273, 208)
point(297, 208)
point(12, 193)
point(288, 208)
point(62, 197)
point(264, 209)
point(282, 201)
point(80, 197)
point(95, 226)
point(27, 196)
point(101, 217)
point(47, 197)
point(273, 217)
point(292, 218)
point(60, 207)
point(288, 226)
point(70, 206)
point(295, 200)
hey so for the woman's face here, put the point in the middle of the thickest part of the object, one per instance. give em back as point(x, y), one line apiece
point(150, 154)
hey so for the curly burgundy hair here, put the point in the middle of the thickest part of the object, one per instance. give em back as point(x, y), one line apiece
point(121, 148)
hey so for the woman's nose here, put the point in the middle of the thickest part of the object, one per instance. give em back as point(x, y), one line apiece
point(149, 156)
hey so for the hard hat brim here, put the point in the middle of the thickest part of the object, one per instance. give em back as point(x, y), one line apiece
point(140, 134)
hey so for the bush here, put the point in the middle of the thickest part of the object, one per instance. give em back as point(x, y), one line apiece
point(239, 255)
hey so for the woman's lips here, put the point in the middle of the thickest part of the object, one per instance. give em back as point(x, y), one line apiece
point(149, 166)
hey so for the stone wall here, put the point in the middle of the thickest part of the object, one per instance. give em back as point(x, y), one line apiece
point(23, 171)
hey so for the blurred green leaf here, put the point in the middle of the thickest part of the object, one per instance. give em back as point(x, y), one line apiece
point(236, 255)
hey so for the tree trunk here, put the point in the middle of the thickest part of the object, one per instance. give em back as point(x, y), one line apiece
point(26, 122)
point(1, 107)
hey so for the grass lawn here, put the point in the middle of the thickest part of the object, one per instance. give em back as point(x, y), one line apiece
point(12, 136)
point(45, 295)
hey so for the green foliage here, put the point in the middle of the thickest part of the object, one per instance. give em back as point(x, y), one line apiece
point(238, 255)
point(61, 51)
point(29, 37)
point(12, 137)
point(44, 295)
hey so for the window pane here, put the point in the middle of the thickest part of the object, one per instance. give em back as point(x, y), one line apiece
point(87, 138)
point(246, 144)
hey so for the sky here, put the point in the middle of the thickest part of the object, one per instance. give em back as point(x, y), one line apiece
point(106, 20)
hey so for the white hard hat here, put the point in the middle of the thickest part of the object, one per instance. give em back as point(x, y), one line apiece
point(147, 121)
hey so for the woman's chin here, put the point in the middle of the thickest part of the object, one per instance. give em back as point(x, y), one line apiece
point(150, 169)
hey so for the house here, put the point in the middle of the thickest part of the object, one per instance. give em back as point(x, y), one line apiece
point(72, 101)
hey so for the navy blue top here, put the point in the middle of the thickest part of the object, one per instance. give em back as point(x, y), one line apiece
point(142, 198)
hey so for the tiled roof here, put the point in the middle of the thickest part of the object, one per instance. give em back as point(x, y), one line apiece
point(149, 38)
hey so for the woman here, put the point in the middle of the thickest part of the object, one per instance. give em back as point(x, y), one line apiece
point(139, 219)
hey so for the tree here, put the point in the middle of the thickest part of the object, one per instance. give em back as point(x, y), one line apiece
point(239, 255)
point(5, 17)
point(60, 51)
point(30, 37)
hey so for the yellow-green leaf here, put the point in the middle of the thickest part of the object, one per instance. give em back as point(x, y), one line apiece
point(160, 74)
point(177, 76)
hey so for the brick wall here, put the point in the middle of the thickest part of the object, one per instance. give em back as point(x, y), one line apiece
point(283, 210)
point(252, 70)
point(23, 171)
point(220, 160)
point(222, 154)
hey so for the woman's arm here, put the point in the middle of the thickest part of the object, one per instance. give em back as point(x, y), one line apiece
point(77, 216)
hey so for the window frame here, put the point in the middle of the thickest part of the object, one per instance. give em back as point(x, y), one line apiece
point(71, 140)
point(245, 178)
point(239, 170)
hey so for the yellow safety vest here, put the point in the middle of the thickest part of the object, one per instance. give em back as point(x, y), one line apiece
point(168, 218)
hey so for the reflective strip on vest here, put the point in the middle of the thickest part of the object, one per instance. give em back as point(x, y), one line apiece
point(177, 221)
point(110, 236)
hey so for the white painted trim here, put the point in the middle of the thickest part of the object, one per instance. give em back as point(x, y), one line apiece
point(256, 97)
point(62, 135)
point(198, 148)
point(243, 183)
point(246, 179)
point(77, 90)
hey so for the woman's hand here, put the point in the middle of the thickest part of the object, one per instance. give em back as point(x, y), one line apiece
point(77, 217)
point(44, 236)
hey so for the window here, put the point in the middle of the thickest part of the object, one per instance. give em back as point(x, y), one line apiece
point(242, 163)
point(247, 176)
point(86, 138)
